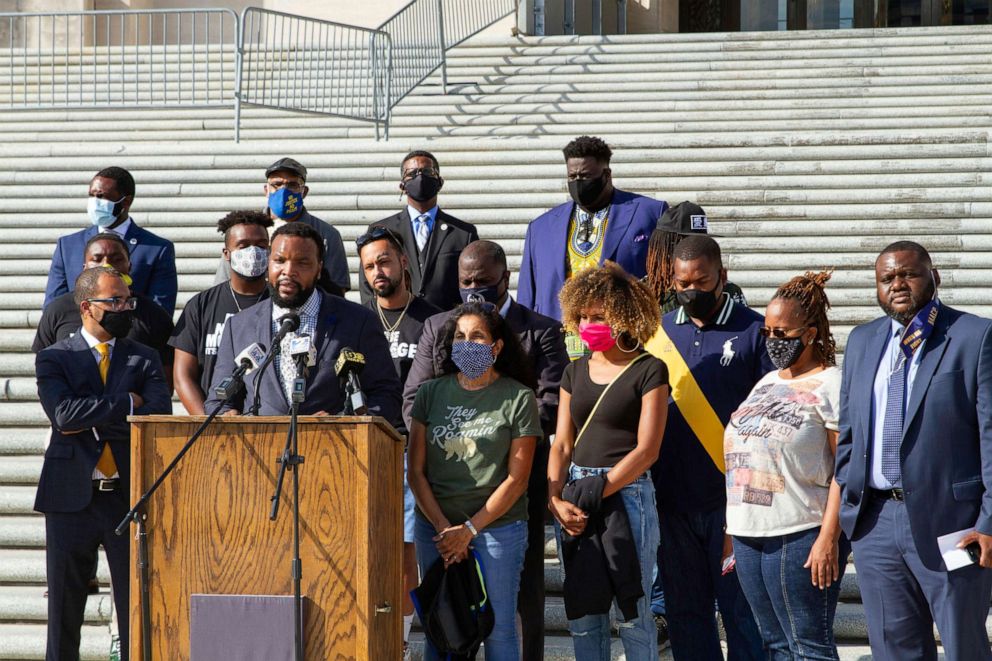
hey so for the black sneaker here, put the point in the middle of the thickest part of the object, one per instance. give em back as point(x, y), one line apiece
point(662, 624)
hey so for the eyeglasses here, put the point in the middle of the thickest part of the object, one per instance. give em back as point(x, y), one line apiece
point(413, 172)
point(294, 186)
point(779, 333)
point(117, 304)
point(377, 233)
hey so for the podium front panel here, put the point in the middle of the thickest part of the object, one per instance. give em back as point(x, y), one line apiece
point(209, 530)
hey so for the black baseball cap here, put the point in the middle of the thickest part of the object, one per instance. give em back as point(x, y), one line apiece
point(684, 218)
point(287, 164)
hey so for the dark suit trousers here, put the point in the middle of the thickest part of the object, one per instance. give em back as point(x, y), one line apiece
point(530, 599)
point(903, 599)
point(72, 540)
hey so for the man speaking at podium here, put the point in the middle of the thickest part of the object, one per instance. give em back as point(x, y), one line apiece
point(332, 324)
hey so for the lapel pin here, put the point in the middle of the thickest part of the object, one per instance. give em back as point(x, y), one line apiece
point(134, 242)
point(444, 226)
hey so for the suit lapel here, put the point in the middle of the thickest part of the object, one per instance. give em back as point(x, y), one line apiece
point(933, 351)
point(270, 376)
point(400, 223)
point(326, 320)
point(89, 365)
point(558, 228)
point(864, 383)
point(438, 236)
point(118, 359)
point(617, 224)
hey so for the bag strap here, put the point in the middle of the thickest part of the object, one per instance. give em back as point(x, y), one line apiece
point(602, 396)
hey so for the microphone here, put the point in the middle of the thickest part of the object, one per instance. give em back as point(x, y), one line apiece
point(348, 366)
point(288, 323)
point(249, 359)
point(305, 355)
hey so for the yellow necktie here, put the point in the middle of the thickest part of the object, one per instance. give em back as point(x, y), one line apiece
point(105, 464)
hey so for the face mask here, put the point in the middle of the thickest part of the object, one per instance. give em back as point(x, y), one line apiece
point(118, 324)
point(784, 352)
point(585, 191)
point(102, 212)
point(598, 337)
point(471, 358)
point(284, 203)
point(422, 188)
point(697, 303)
point(250, 262)
point(480, 294)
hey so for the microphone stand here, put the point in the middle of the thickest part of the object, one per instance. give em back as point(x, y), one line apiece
point(138, 515)
point(290, 460)
point(256, 400)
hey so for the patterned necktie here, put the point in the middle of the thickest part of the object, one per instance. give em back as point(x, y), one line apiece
point(585, 232)
point(423, 231)
point(892, 424)
point(105, 464)
point(287, 366)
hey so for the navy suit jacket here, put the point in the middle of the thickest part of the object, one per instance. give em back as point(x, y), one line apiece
point(946, 451)
point(340, 324)
point(541, 338)
point(76, 400)
point(153, 265)
point(542, 268)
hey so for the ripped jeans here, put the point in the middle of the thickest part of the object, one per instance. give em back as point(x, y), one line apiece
point(591, 634)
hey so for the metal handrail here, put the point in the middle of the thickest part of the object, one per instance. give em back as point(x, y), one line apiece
point(311, 65)
point(136, 58)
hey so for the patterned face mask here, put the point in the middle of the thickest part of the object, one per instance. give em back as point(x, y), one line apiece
point(250, 262)
point(472, 358)
point(784, 352)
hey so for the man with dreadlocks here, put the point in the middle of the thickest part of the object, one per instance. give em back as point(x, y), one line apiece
point(782, 501)
point(678, 222)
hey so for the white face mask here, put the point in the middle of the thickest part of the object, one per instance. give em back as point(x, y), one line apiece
point(250, 262)
point(101, 211)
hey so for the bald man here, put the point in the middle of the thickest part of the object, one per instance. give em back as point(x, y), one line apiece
point(483, 276)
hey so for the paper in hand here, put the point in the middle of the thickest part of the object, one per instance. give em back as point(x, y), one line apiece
point(954, 557)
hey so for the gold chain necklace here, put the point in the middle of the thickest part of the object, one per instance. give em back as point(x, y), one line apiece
point(382, 317)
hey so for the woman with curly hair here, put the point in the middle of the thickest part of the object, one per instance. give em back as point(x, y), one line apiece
point(611, 417)
point(782, 500)
point(472, 437)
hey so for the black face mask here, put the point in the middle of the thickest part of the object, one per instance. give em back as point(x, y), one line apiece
point(488, 294)
point(586, 191)
point(118, 324)
point(697, 302)
point(784, 352)
point(422, 188)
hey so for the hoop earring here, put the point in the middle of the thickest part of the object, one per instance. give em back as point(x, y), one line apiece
point(637, 345)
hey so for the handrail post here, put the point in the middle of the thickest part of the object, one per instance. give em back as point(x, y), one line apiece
point(444, 50)
point(239, 62)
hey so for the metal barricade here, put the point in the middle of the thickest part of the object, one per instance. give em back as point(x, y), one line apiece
point(140, 58)
point(311, 65)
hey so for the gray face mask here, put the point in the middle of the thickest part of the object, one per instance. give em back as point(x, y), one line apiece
point(250, 262)
point(784, 352)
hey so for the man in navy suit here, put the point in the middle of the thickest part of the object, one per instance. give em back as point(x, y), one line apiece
point(600, 223)
point(88, 385)
point(914, 462)
point(295, 261)
point(153, 259)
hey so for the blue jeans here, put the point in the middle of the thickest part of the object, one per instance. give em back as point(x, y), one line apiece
point(691, 551)
point(501, 550)
point(591, 634)
point(795, 618)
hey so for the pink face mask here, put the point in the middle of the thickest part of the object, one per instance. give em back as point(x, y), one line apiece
point(598, 337)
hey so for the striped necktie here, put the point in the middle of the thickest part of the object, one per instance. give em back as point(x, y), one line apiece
point(892, 424)
point(105, 464)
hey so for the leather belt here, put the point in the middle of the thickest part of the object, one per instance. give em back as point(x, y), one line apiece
point(888, 494)
point(106, 485)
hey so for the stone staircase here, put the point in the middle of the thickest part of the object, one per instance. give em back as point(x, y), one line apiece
point(808, 150)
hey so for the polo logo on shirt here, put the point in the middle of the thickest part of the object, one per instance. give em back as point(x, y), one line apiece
point(728, 351)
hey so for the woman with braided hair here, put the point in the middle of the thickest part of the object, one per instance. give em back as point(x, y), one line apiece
point(782, 500)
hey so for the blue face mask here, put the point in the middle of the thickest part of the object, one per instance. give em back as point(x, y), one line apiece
point(472, 358)
point(285, 204)
point(102, 211)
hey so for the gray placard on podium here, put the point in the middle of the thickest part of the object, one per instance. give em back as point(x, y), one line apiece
point(247, 627)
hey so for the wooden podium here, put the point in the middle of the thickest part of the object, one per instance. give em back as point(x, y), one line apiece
point(209, 530)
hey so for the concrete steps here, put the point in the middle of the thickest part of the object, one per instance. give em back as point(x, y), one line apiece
point(808, 150)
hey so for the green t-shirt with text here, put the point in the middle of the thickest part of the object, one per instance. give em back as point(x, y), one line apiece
point(468, 439)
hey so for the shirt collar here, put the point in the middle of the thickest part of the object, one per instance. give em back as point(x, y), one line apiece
point(120, 229)
point(721, 318)
point(414, 215)
point(506, 306)
point(308, 309)
point(92, 341)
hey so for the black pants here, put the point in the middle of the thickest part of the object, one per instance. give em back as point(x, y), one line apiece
point(530, 599)
point(72, 540)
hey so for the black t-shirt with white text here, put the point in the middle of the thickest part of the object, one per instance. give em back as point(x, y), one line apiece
point(403, 341)
point(199, 328)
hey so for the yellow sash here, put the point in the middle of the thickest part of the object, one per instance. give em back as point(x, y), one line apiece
point(692, 403)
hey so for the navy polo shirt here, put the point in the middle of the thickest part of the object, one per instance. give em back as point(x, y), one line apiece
point(726, 357)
